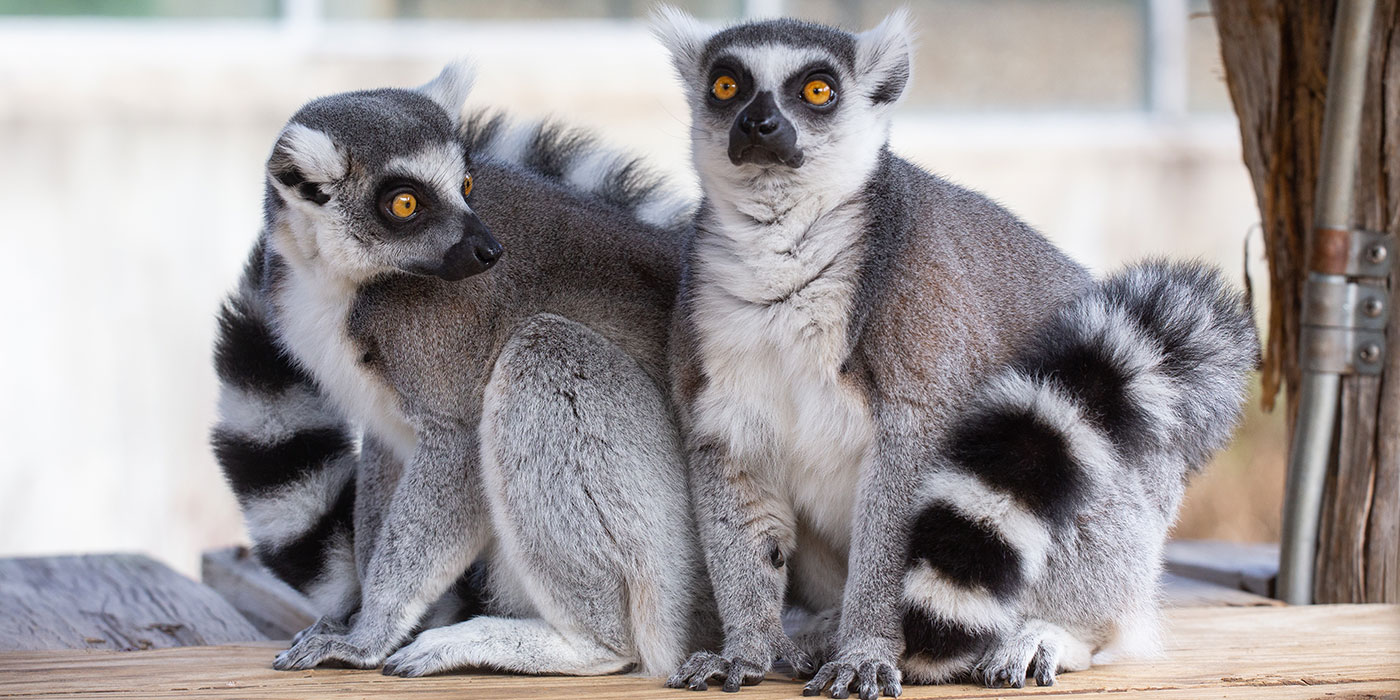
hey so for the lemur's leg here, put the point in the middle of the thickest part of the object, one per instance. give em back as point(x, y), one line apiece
point(434, 526)
point(868, 640)
point(581, 460)
point(377, 477)
point(748, 531)
point(377, 471)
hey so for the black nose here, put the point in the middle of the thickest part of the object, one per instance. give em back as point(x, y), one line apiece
point(488, 253)
point(761, 134)
point(759, 125)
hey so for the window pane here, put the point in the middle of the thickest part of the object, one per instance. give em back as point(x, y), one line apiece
point(141, 8)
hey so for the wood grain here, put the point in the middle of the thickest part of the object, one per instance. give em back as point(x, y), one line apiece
point(275, 608)
point(1275, 54)
point(1270, 652)
point(110, 601)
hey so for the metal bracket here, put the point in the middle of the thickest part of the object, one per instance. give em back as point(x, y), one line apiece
point(1344, 315)
point(1371, 254)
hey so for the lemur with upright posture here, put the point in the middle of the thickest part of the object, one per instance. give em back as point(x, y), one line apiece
point(903, 407)
point(400, 399)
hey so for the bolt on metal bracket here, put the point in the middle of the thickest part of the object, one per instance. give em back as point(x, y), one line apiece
point(1345, 308)
point(1372, 254)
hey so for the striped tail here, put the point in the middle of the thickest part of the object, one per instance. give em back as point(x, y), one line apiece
point(1145, 374)
point(287, 454)
point(578, 160)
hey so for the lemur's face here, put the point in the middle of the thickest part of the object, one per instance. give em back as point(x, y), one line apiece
point(782, 96)
point(378, 181)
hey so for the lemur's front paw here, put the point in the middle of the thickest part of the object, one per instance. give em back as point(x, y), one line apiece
point(745, 666)
point(327, 624)
point(326, 650)
point(869, 676)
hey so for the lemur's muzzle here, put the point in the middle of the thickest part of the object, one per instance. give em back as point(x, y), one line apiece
point(763, 136)
point(474, 254)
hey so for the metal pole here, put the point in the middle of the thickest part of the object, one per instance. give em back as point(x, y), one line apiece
point(1168, 90)
point(1319, 391)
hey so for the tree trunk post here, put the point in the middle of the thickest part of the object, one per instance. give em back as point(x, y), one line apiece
point(1276, 56)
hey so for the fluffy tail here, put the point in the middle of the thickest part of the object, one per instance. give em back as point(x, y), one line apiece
point(578, 160)
point(288, 455)
point(1146, 372)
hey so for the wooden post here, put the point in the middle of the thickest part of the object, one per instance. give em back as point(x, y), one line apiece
point(1275, 54)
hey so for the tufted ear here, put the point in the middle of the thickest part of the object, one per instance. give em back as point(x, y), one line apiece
point(304, 161)
point(885, 56)
point(682, 35)
point(451, 87)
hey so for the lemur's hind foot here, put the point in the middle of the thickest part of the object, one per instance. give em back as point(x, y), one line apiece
point(1038, 651)
point(502, 644)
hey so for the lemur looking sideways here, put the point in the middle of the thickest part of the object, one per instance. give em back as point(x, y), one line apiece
point(507, 409)
point(839, 315)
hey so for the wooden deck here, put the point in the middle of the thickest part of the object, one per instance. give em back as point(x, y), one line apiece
point(1237, 652)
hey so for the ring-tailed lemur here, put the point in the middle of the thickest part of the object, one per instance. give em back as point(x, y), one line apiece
point(1038, 540)
point(838, 308)
point(518, 417)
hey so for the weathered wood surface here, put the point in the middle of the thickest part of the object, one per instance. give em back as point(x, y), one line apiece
point(1275, 54)
point(1183, 592)
point(275, 608)
point(110, 601)
point(1237, 565)
point(1270, 652)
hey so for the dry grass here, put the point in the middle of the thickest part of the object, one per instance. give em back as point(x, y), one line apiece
point(1240, 496)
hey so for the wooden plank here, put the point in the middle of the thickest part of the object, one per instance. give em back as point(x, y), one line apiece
point(280, 611)
point(275, 608)
point(1182, 592)
point(110, 601)
point(1239, 565)
point(1262, 652)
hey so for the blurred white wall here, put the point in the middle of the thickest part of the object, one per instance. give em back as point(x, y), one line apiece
point(130, 186)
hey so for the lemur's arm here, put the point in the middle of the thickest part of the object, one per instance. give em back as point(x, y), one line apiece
point(870, 640)
point(378, 475)
point(434, 527)
point(746, 533)
point(377, 472)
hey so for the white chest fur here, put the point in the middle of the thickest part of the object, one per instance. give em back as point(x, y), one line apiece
point(312, 316)
point(772, 308)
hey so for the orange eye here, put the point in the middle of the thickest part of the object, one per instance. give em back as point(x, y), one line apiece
point(725, 87)
point(817, 92)
point(403, 205)
point(467, 186)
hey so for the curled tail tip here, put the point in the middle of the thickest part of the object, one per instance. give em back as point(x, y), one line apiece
point(1172, 345)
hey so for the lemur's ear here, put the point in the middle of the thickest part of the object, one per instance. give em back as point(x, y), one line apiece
point(682, 35)
point(451, 87)
point(885, 56)
point(304, 162)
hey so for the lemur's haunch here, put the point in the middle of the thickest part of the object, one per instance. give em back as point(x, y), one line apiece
point(392, 410)
point(840, 316)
